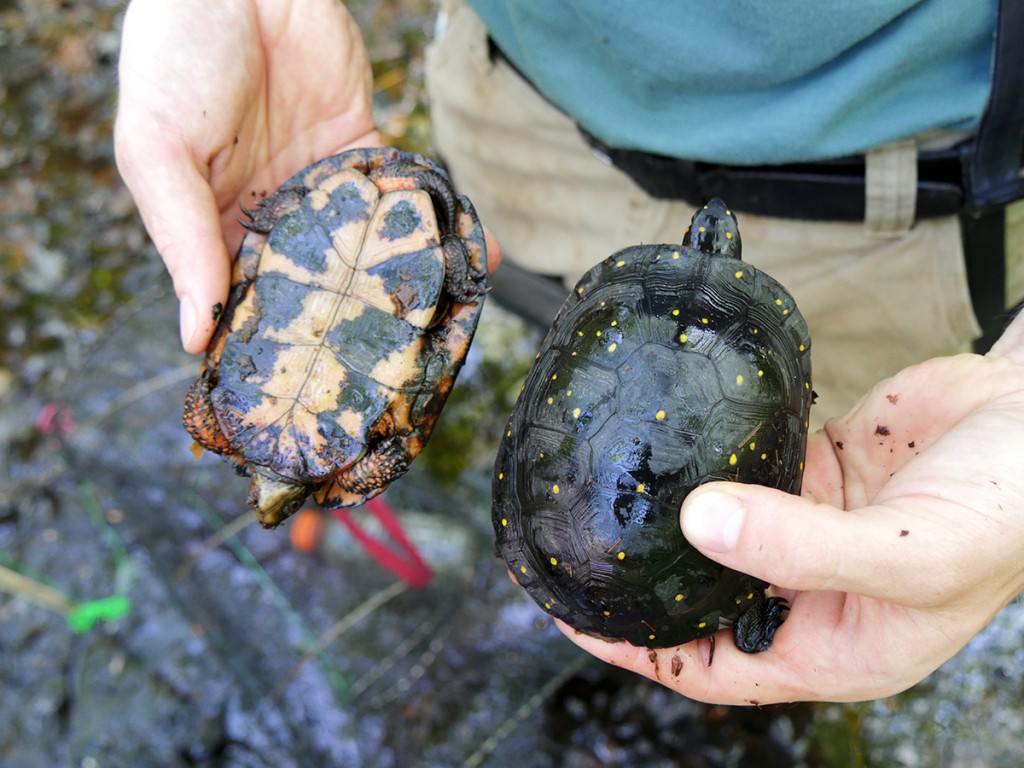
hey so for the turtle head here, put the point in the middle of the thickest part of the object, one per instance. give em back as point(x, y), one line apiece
point(714, 230)
point(274, 498)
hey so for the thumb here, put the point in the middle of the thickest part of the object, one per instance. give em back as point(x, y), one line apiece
point(181, 215)
point(789, 541)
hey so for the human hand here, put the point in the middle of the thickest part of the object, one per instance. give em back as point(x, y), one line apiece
point(219, 104)
point(908, 539)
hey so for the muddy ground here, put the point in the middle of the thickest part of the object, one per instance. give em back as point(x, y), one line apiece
point(223, 646)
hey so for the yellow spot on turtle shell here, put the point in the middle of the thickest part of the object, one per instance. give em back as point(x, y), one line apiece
point(801, 466)
point(620, 263)
point(548, 606)
point(778, 302)
point(675, 313)
point(551, 400)
point(728, 235)
point(760, 373)
point(509, 433)
point(785, 311)
point(752, 446)
point(606, 613)
point(732, 459)
point(616, 322)
point(739, 273)
point(622, 555)
point(598, 333)
point(612, 347)
point(580, 290)
point(802, 347)
point(660, 415)
point(675, 254)
point(750, 596)
point(554, 561)
point(504, 522)
point(705, 320)
point(682, 338)
point(522, 569)
point(579, 333)
point(568, 392)
point(700, 229)
point(554, 376)
point(702, 625)
point(650, 637)
point(501, 475)
point(641, 488)
point(739, 379)
point(679, 598)
point(555, 488)
point(764, 456)
point(576, 413)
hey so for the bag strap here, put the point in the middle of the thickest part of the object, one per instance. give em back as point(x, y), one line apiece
point(992, 177)
point(992, 167)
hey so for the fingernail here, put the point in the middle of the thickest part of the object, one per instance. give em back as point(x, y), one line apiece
point(712, 521)
point(187, 320)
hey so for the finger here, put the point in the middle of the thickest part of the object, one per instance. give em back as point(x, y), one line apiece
point(732, 677)
point(493, 250)
point(182, 218)
point(811, 659)
point(729, 676)
point(884, 552)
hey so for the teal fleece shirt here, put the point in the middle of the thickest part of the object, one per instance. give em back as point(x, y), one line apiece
point(753, 81)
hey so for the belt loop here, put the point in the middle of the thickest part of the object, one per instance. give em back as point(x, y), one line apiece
point(890, 188)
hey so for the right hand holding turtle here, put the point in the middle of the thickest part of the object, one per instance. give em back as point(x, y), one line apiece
point(907, 541)
point(219, 103)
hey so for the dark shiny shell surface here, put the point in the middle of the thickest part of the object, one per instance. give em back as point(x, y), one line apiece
point(667, 367)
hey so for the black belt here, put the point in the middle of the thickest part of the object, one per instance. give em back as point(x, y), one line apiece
point(835, 190)
point(975, 179)
point(829, 190)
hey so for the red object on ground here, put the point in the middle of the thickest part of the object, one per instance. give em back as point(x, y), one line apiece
point(396, 553)
point(400, 556)
point(307, 530)
point(55, 419)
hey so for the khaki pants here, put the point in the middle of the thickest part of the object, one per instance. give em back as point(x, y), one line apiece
point(875, 300)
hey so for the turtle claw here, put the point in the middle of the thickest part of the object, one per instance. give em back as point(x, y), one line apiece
point(270, 209)
point(249, 224)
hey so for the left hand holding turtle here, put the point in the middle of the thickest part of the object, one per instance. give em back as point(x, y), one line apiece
point(218, 104)
point(908, 539)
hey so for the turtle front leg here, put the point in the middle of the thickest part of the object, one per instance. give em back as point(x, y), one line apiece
point(462, 282)
point(367, 477)
point(270, 209)
point(462, 238)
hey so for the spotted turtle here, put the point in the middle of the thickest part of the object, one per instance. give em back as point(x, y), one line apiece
point(668, 366)
point(354, 299)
